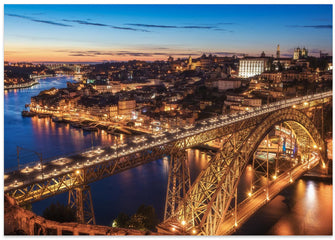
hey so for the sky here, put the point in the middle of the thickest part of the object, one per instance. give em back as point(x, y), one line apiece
point(93, 33)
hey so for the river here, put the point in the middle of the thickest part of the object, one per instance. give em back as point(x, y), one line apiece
point(304, 208)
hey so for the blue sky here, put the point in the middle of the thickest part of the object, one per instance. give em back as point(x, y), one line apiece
point(148, 32)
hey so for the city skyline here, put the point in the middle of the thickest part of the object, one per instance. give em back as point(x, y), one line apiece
point(94, 33)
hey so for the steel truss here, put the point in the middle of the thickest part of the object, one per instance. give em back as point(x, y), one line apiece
point(208, 201)
point(179, 182)
point(80, 199)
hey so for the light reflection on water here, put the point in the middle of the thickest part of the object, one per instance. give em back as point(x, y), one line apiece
point(304, 208)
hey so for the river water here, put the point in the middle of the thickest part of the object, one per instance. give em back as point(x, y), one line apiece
point(304, 208)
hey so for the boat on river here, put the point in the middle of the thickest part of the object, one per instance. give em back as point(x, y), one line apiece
point(76, 124)
point(90, 128)
point(25, 113)
point(57, 119)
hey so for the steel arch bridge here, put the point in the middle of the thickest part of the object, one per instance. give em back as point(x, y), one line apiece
point(202, 207)
point(208, 201)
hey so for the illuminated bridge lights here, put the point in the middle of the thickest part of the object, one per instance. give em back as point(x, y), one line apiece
point(323, 165)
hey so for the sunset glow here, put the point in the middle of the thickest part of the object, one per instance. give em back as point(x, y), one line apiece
point(81, 33)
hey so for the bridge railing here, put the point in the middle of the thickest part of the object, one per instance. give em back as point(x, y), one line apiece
point(49, 159)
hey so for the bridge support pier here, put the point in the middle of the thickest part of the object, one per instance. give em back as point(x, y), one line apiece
point(80, 199)
point(178, 182)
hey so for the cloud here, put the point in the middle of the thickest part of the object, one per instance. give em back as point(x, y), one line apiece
point(198, 27)
point(175, 27)
point(86, 23)
point(222, 30)
point(311, 26)
point(227, 53)
point(150, 25)
point(215, 27)
point(39, 20)
point(50, 22)
point(104, 25)
point(226, 23)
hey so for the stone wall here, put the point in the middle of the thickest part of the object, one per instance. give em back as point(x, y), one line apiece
point(18, 221)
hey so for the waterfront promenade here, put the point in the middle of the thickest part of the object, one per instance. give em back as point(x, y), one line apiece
point(21, 85)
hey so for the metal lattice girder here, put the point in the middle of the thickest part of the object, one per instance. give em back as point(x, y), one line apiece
point(179, 182)
point(209, 197)
point(45, 188)
point(260, 168)
point(80, 199)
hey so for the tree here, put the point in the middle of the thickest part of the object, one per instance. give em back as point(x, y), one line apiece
point(144, 219)
point(147, 215)
point(60, 213)
point(122, 221)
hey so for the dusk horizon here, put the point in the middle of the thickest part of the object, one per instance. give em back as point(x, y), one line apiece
point(97, 33)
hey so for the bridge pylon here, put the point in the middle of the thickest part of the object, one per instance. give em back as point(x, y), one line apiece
point(179, 182)
point(80, 198)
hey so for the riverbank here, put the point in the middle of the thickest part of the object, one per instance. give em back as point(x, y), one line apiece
point(318, 177)
point(22, 85)
point(320, 174)
point(88, 125)
point(42, 76)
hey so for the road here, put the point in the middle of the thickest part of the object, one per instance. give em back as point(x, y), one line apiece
point(249, 206)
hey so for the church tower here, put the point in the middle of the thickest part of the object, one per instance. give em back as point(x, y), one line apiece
point(190, 60)
point(278, 51)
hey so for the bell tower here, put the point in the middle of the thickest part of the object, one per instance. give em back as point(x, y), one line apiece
point(278, 51)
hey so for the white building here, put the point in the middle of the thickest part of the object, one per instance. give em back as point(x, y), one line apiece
point(250, 67)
